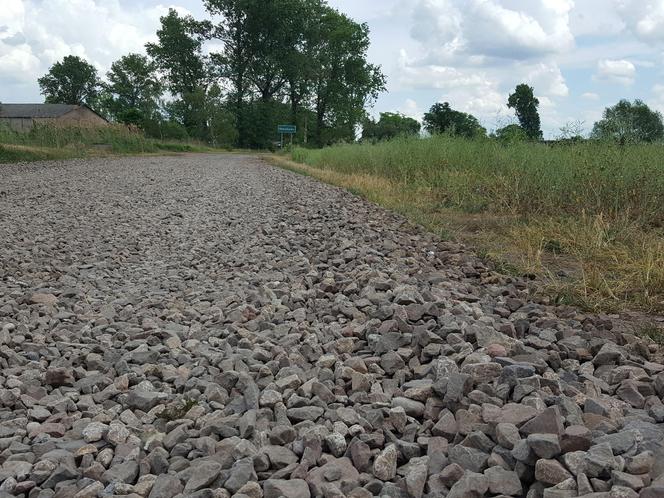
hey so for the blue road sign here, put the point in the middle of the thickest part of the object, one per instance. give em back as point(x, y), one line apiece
point(287, 129)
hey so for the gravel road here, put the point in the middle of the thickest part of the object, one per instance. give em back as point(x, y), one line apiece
point(211, 326)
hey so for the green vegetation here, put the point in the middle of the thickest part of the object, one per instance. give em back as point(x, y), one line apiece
point(71, 81)
point(178, 409)
point(653, 332)
point(525, 105)
point(390, 125)
point(297, 62)
point(441, 118)
point(133, 90)
point(58, 142)
point(629, 123)
point(593, 211)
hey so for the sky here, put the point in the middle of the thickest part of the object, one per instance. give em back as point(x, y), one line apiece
point(580, 55)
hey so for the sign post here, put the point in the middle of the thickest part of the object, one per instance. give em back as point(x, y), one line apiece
point(287, 130)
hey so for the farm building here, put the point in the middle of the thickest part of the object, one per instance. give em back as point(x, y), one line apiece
point(23, 117)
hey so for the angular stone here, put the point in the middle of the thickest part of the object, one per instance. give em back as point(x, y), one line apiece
point(241, 473)
point(385, 464)
point(550, 421)
point(503, 482)
point(292, 488)
point(125, 472)
point(551, 472)
point(166, 486)
point(507, 435)
point(545, 446)
point(311, 413)
point(203, 474)
point(575, 438)
point(471, 485)
point(468, 458)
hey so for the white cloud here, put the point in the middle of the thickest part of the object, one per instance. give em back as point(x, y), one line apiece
point(486, 28)
point(536, 28)
point(547, 79)
point(595, 18)
point(476, 51)
point(411, 109)
point(590, 96)
point(657, 100)
point(35, 34)
point(617, 71)
point(644, 18)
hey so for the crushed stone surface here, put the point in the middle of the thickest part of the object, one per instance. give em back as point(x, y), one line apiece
point(209, 326)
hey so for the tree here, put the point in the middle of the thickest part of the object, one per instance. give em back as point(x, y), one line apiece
point(441, 118)
point(629, 122)
point(511, 133)
point(301, 51)
point(179, 56)
point(134, 89)
point(260, 41)
point(525, 105)
point(389, 125)
point(71, 81)
point(233, 61)
point(343, 82)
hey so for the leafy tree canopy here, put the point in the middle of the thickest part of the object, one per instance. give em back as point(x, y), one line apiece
point(629, 122)
point(441, 118)
point(70, 81)
point(133, 89)
point(178, 54)
point(525, 105)
point(388, 126)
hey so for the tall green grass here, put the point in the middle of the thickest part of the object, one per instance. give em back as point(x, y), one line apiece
point(527, 179)
point(47, 142)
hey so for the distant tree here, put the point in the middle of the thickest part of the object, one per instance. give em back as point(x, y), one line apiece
point(629, 122)
point(344, 83)
point(71, 81)
point(441, 118)
point(511, 133)
point(133, 89)
point(178, 54)
point(262, 59)
point(525, 105)
point(388, 126)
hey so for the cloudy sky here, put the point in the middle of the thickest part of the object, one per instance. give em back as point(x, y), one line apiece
point(580, 55)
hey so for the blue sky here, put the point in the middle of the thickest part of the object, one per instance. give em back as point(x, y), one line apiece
point(580, 55)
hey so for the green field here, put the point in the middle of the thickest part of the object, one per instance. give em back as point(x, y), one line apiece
point(588, 217)
point(50, 142)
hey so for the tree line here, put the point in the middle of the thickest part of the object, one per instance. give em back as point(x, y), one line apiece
point(280, 61)
point(625, 122)
point(296, 62)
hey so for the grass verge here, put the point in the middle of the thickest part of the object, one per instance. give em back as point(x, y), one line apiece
point(58, 142)
point(601, 252)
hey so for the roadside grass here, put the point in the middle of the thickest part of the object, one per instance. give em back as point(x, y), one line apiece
point(586, 219)
point(653, 332)
point(59, 142)
point(19, 153)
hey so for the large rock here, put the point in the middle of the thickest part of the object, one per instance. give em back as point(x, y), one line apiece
point(166, 486)
point(293, 488)
point(385, 464)
point(332, 472)
point(202, 476)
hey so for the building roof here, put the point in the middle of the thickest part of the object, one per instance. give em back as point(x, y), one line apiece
point(36, 110)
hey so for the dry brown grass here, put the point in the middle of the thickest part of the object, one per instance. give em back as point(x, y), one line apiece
point(586, 261)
